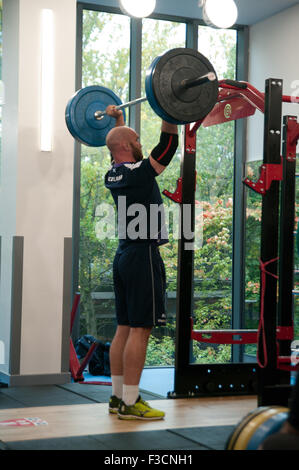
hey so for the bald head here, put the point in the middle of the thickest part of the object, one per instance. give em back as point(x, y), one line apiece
point(123, 143)
point(119, 136)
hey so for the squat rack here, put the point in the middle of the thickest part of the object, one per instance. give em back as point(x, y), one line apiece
point(269, 377)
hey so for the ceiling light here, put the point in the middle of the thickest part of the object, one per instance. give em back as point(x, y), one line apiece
point(220, 13)
point(137, 8)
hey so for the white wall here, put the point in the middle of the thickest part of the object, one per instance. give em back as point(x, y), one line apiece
point(40, 197)
point(44, 209)
point(273, 54)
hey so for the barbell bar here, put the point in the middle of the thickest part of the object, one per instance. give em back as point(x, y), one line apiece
point(100, 114)
point(211, 76)
point(181, 87)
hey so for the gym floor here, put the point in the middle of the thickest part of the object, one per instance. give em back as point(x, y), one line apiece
point(75, 417)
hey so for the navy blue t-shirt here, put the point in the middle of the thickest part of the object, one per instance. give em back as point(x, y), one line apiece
point(137, 196)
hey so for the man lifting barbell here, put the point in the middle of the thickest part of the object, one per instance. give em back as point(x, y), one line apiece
point(181, 87)
point(138, 269)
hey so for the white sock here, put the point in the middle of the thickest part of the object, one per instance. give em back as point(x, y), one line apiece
point(130, 394)
point(117, 385)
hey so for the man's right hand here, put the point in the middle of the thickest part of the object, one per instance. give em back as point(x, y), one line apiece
point(112, 111)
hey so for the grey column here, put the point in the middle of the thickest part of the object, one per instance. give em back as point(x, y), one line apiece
point(16, 305)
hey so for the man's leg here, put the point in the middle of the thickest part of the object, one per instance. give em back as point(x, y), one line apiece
point(116, 364)
point(117, 349)
point(133, 361)
point(136, 269)
point(132, 405)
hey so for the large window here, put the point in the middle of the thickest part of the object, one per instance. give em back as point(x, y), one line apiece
point(252, 255)
point(158, 37)
point(106, 61)
point(214, 201)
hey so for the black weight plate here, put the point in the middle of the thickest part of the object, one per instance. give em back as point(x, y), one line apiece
point(184, 105)
point(150, 94)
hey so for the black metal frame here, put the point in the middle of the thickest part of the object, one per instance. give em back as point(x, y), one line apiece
point(268, 376)
point(274, 383)
point(194, 380)
point(268, 379)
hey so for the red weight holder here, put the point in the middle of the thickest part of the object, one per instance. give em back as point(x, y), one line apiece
point(177, 195)
point(286, 363)
point(190, 138)
point(237, 100)
point(237, 336)
point(285, 333)
point(292, 137)
point(225, 336)
point(269, 172)
point(75, 367)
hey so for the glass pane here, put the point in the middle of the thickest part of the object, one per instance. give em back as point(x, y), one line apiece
point(106, 50)
point(158, 37)
point(252, 256)
point(214, 206)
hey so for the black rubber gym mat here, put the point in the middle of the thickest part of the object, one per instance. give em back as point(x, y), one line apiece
point(52, 395)
point(102, 393)
point(8, 402)
point(44, 395)
point(212, 437)
point(145, 440)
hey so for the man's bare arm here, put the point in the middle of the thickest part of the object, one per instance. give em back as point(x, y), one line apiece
point(170, 128)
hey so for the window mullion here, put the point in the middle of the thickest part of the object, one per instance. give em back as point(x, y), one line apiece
point(135, 72)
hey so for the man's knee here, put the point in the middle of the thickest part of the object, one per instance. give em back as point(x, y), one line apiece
point(122, 331)
point(142, 332)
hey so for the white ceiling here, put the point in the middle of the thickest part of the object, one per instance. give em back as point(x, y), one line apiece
point(253, 11)
point(250, 11)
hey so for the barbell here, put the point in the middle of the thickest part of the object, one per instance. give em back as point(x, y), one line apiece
point(181, 87)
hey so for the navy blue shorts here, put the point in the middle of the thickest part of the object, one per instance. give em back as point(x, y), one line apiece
point(140, 286)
